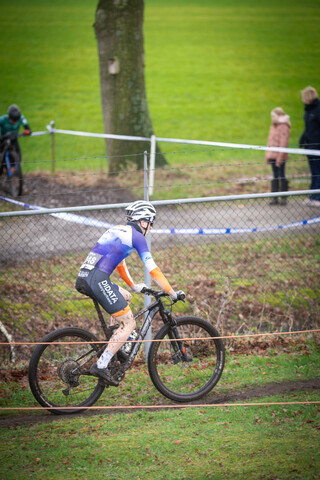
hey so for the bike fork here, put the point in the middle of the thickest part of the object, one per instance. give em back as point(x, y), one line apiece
point(8, 164)
point(178, 346)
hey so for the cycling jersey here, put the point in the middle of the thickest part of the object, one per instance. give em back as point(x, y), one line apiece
point(115, 245)
point(6, 126)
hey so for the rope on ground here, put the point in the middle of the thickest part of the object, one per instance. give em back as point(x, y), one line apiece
point(154, 407)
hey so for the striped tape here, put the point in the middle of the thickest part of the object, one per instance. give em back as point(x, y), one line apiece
point(91, 222)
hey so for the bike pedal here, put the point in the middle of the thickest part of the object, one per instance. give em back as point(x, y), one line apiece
point(104, 384)
point(176, 357)
point(187, 358)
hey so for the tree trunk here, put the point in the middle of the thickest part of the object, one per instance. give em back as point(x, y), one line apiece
point(119, 32)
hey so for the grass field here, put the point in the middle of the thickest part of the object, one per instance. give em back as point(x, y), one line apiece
point(215, 442)
point(214, 70)
point(210, 443)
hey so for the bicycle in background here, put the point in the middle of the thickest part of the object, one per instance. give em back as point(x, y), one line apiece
point(10, 168)
point(185, 360)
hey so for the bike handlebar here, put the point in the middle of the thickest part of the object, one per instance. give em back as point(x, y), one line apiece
point(11, 136)
point(160, 293)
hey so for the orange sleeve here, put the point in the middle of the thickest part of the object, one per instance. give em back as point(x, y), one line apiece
point(124, 273)
point(161, 280)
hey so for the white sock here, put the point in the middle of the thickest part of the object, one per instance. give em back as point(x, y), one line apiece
point(104, 360)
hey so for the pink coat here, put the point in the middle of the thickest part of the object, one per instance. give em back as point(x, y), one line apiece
point(279, 137)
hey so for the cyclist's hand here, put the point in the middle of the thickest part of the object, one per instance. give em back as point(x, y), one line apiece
point(179, 295)
point(138, 287)
point(173, 294)
point(26, 132)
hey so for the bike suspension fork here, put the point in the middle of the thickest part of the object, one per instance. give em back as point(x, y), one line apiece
point(178, 345)
point(8, 164)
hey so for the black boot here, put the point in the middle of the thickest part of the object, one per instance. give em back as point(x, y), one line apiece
point(104, 374)
point(284, 188)
point(274, 188)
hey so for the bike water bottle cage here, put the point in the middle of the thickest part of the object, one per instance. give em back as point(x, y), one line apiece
point(14, 113)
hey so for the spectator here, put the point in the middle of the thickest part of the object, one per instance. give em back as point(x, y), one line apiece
point(279, 134)
point(310, 139)
point(11, 122)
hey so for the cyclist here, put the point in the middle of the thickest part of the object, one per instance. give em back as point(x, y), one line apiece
point(10, 124)
point(108, 254)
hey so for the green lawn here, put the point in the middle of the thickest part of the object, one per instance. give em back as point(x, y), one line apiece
point(214, 441)
point(275, 442)
point(214, 70)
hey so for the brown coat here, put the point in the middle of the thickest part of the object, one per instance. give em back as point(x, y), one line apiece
point(279, 137)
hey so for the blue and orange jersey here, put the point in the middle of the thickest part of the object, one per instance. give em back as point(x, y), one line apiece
point(115, 245)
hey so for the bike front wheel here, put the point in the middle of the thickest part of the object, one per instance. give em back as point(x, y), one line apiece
point(14, 178)
point(187, 362)
point(59, 375)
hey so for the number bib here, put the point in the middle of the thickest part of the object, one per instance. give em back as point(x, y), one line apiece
point(91, 261)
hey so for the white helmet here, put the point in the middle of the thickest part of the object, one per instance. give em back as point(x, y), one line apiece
point(141, 210)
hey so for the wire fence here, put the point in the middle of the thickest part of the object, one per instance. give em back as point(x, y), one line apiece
point(244, 265)
point(210, 172)
point(214, 167)
point(248, 267)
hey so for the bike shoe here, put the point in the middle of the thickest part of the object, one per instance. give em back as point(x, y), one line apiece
point(104, 374)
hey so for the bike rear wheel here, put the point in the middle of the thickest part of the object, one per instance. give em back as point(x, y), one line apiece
point(59, 372)
point(15, 182)
point(186, 370)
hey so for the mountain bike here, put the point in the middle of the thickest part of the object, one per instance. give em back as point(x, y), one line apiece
point(10, 166)
point(185, 360)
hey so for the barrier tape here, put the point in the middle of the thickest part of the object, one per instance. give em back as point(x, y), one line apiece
point(300, 151)
point(222, 337)
point(91, 222)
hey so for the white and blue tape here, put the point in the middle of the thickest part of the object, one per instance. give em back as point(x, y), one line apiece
point(91, 222)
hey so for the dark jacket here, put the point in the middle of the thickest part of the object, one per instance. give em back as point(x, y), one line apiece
point(311, 136)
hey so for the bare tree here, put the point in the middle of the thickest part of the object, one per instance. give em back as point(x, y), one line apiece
point(119, 32)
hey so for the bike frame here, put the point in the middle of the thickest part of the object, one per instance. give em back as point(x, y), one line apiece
point(151, 310)
point(10, 158)
point(7, 142)
point(7, 160)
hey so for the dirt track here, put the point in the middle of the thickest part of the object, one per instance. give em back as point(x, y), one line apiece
point(235, 396)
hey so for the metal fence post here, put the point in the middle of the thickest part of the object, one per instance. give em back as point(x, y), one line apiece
point(51, 130)
point(147, 276)
point(152, 164)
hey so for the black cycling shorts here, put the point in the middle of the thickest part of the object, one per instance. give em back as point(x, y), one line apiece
point(97, 285)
